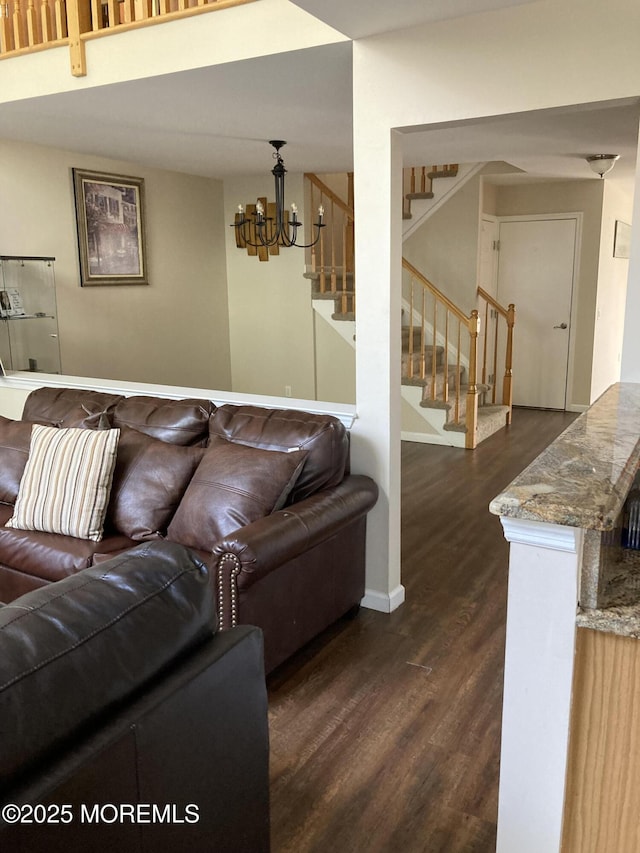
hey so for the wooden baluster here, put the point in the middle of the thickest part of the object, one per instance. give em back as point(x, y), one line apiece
point(6, 30)
point(456, 408)
point(350, 226)
point(433, 348)
point(445, 366)
point(164, 7)
point(413, 180)
point(334, 280)
point(142, 9)
point(323, 277)
point(472, 391)
point(423, 342)
point(313, 248)
point(33, 34)
point(345, 298)
point(484, 347)
point(495, 354)
point(423, 180)
point(127, 11)
point(19, 38)
point(507, 386)
point(60, 19)
point(412, 286)
point(97, 18)
point(113, 9)
point(46, 23)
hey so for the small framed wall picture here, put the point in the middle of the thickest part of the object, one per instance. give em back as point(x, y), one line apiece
point(621, 240)
point(110, 228)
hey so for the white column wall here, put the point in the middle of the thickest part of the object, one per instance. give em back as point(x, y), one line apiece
point(376, 434)
point(448, 73)
point(630, 366)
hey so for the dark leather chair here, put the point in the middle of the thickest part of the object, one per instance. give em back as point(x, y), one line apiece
point(127, 722)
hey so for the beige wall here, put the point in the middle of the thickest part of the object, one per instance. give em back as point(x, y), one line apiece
point(174, 331)
point(569, 197)
point(612, 292)
point(445, 248)
point(335, 365)
point(270, 314)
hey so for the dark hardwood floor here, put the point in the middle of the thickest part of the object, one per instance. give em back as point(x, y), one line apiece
point(385, 732)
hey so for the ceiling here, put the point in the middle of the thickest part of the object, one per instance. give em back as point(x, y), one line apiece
point(215, 121)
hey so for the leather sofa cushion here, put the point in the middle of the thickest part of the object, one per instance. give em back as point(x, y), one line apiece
point(150, 478)
point(175, 421)
point(15, 439)
point(323, 437)
point(232, 486)
point(51, 556)
point(70, 407)
point(71, 651)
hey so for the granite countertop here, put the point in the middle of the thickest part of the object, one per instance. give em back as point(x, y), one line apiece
point(582, 479)
point(622, 612)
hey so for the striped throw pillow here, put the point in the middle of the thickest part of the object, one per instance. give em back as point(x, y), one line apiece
point(66, 482)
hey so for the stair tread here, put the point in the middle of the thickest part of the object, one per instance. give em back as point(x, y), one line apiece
point(419, 195)
point(315, 276)
point(333, 294)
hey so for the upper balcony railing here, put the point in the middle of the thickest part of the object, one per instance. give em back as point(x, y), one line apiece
point(30, 25)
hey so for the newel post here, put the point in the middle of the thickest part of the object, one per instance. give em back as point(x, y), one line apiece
point(507, 385)
point(472, 392)
point(78, 22)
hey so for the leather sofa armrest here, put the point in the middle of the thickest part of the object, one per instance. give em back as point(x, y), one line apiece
point(247, 555)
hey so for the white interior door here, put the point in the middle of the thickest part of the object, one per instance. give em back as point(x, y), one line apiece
point(536, 272)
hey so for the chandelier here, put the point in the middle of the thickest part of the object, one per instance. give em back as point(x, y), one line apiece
point(258, 229)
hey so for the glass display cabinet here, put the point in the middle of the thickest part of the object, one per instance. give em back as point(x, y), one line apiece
point(28, 315)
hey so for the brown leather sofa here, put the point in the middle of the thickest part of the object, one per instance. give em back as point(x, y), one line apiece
point(128, 722)
point(263, 496)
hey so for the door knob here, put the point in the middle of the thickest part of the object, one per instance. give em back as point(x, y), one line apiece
point(561, 326)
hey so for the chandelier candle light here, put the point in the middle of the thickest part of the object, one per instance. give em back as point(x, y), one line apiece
point(258, 229)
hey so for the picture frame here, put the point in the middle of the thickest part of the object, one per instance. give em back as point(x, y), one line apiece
point(621, 240)
point(110, 224)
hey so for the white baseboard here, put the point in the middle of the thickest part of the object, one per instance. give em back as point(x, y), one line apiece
point(383, 602)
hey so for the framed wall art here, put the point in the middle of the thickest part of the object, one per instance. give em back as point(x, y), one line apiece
point(621, 240)
point(110, 226)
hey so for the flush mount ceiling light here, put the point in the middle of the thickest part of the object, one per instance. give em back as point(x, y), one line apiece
point(257, 228)
point(602, 163)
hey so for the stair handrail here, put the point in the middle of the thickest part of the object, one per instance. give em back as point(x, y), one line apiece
point(333, 257)
point(325, 190)
point(471, 323)
point(509, 315)
point(436, 292)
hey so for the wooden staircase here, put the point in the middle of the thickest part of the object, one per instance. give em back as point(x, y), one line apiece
point(418, 183)
point(443, 377)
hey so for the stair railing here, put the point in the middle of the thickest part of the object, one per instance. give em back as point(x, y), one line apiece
point(30, 25)
point(417, 182)
point(436, 325)
point(333, 256)
point(500, 321)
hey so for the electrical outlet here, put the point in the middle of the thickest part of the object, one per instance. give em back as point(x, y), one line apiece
point(287, 390)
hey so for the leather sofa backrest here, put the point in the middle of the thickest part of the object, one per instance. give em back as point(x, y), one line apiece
point(70, 407)
point(175, 421)
point(324, 437)
point(72, 650)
